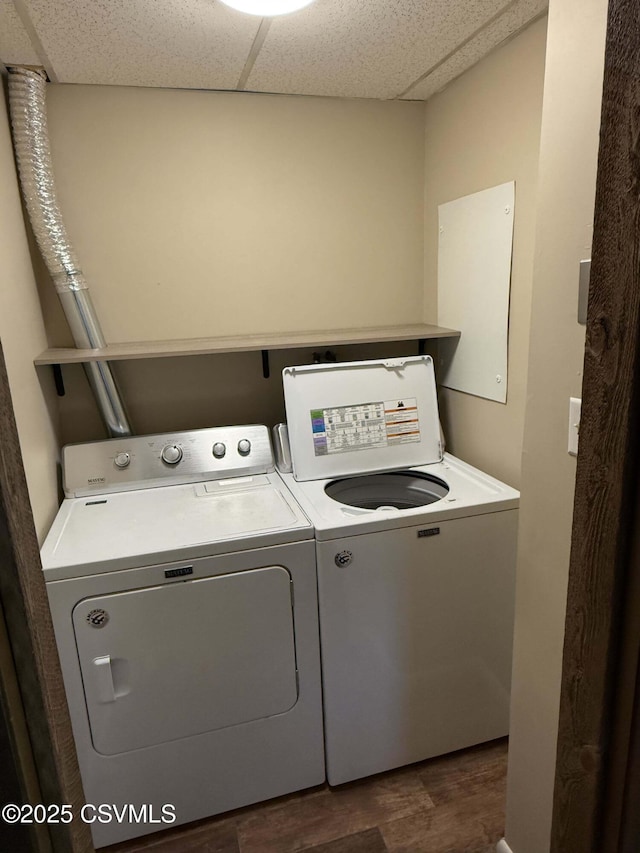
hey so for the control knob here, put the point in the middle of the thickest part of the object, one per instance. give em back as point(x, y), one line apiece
point(244, 447)
point(171, 454)
point(122, 459)
point(219, 449)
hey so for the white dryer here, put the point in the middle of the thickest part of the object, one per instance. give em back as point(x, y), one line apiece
point(181, 578)
point(416, 557)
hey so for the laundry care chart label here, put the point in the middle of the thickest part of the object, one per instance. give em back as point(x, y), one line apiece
point(365, 425)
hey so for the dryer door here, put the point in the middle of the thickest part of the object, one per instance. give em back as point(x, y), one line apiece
point(169, 662)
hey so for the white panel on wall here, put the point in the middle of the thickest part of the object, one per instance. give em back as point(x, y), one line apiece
point(474, 276)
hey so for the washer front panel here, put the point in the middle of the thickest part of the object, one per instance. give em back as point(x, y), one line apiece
point(416, 630)
point(361, 416)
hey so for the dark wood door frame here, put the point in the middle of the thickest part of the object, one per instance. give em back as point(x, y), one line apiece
point(599, 732)
point(24, 601)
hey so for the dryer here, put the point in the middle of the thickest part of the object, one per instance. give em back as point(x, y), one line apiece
point(416, 555)
point(181, 578)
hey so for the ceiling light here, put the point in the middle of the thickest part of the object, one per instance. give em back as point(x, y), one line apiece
point(267, 8)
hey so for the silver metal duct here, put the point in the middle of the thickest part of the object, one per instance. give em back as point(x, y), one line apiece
point(27, 94)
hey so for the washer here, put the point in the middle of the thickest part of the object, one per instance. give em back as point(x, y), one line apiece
point(416, 557)
point(182, 584)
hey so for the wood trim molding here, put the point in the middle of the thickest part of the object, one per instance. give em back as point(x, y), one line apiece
point(601, 565)
point(30, 630)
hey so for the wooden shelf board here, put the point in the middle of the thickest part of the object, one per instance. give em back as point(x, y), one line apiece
point(244, 343)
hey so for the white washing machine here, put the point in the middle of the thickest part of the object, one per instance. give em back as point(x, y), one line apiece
point(181, 578)
point(416, 556)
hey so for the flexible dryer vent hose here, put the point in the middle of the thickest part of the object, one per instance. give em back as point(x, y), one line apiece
point(27, 103)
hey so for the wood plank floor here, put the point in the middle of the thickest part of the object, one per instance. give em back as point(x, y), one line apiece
point(452, 804)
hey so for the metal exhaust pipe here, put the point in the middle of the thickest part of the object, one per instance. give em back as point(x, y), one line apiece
point(27, 104)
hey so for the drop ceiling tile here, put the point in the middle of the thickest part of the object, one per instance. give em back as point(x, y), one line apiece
point(172, 43)
point(363, 48)
point(513, 20)
point(15, 44)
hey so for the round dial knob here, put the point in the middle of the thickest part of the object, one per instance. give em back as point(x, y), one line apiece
point(171, 454)
point(219, 449)
point(122, 459)
point(244, 447)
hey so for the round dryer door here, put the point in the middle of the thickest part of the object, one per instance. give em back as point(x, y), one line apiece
point(391, 490)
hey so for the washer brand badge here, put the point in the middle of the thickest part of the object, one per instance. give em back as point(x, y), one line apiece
point(429, 531)
point(94, 481)
point(178, 573)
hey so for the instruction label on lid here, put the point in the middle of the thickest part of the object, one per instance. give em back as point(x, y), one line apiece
point(364, 425)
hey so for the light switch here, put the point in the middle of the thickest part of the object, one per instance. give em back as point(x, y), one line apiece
point(575, 406)
point(583, 291)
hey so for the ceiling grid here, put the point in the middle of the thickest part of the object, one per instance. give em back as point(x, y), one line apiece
point(407, 49)
point(256, 47)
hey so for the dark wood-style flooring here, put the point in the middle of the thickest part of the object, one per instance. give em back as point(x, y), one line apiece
point(451, 804)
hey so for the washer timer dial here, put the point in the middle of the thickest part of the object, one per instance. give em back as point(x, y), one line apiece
point(171, 454)
point(244, 447)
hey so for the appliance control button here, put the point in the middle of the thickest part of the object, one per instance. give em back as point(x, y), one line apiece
point(219, 449)
point(122, 459)
point(171, 454)
point(244, 447)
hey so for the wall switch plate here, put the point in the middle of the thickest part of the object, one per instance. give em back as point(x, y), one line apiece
point(575, 406)
point(583, 290)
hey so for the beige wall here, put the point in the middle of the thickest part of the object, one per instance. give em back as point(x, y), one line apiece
point(204, 213)
point(484, 130)
point(23, 337)
point(566, 189)
point(234, 213)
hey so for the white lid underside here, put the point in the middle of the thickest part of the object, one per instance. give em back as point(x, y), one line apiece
point(361, 416)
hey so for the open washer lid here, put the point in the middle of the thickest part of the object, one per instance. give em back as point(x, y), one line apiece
point(361, 416)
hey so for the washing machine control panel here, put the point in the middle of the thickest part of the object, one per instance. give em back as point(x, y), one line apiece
point(144, 461)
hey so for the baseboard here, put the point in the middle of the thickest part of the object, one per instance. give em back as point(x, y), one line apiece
point(503, 847)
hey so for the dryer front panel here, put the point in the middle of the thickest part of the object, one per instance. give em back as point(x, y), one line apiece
point(173, 661)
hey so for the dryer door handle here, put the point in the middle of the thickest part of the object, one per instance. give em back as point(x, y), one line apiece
point(104, 679)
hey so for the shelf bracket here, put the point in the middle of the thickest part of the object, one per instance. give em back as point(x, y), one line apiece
point(58, 380)
point(265, 364)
